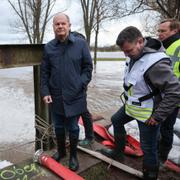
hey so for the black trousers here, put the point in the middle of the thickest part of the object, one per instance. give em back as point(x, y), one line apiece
point(87, 121)
point(166, 132)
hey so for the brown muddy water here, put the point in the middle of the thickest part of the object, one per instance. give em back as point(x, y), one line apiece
point(106, 86)
point(17, 100)
point(17, 108)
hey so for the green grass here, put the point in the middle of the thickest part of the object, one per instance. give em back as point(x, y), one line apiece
point(98, 172)
point(111, 59)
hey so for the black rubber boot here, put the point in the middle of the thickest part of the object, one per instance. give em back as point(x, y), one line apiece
point(150, 173)
point(61, 149)
point(73, 161)
point(163, 153)
point(88, 125)
point(118, 152)
point(111, 153)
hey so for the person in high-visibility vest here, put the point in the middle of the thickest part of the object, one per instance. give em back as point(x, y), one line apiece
point(151, 93)
point(169, 34)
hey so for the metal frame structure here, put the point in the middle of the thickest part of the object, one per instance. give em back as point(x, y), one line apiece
point(22, 55)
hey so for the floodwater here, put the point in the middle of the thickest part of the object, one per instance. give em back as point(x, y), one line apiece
point(17, 105)
point(17, 98)
point(17, 102)
point(106, 86)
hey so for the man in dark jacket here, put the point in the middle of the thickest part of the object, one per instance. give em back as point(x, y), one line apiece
point(66, 70)
point(169, 34)
point(151, 93)
point(86, 116)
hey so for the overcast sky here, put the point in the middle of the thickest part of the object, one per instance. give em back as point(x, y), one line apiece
point(107, 35)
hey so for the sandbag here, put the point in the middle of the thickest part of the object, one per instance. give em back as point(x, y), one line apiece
point(174, 154)
point(131, 129)
point(176, 140)
point(81, 132)
point(177, 127)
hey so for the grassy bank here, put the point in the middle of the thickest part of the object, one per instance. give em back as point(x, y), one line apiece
point(111, 59)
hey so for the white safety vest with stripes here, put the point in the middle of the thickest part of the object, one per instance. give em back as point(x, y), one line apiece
point(137, 87)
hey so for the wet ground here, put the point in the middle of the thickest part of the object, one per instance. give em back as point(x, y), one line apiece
point(17, 111)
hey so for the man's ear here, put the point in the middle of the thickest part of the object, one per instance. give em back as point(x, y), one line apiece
point(175, 31)
point(140, 40)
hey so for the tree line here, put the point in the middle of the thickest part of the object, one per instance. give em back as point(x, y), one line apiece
point(33, 16)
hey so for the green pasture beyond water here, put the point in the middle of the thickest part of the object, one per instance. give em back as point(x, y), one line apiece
point(111, 59)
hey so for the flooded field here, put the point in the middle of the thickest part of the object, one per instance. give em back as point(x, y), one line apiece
point(17, 101)
point(106, 86)
point(17, 98)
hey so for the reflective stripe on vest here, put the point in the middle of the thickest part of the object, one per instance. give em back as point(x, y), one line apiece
point(135, 77)
point(142, 114)
point(174, 52)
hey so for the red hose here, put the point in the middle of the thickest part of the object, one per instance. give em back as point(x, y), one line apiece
point(56, 167)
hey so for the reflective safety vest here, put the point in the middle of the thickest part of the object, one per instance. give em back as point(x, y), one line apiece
point(138, 95)
point(174, 52)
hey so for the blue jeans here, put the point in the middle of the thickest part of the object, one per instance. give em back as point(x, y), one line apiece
point(61, 124)
point(149, 136)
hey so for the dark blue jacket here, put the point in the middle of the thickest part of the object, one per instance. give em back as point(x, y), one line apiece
point(66, 70)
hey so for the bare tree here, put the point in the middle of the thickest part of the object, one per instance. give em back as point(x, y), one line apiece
point(88, 8)
point(33, 17)
point(150, 23)
point(96, 12)
point(153, 11)
point(166, 8)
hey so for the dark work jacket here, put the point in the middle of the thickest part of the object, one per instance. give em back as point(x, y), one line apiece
point(66, 70)
point(168, 41)
point(160, 77)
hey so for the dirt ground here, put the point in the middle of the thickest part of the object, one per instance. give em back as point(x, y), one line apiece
point(90, 167)
point(103, 171)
